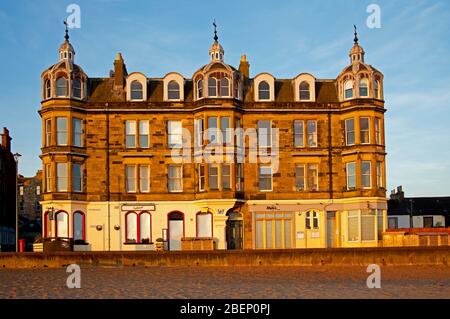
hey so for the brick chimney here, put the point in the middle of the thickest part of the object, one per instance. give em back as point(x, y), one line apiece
point(244, 66)
point(399, 194)
point(6, 140)
point(120, 71)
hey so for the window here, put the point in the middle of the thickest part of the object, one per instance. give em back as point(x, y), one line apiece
point(61, 131)
point(201, 178)
point(265, 178)
point(204, 225)
point(350, 132)
point(199, 89)
point(173, 89)
point(131, 227)
point(239, 132)
point(137, 91)
point(226, 176)
point(313, 177)
point(145, 228)
point(225, 129)
point(363, 88)
point(392, 222)
point(130, 178)
point(175, 134)
point(48, 132)
point(38, 190)
point(48, 89)
point(61, 87)
point(312, 133)
point(264, 133)
point(78, 226)
point(348, 90)
point(76, 132)
point(273, 230)
point(300, 177)
point(379, 175)
point(380, 224)
point(77, 177)
point(368, 225)
point(175, 178)
point(198, 129)
point(365, 172)
point(263, 90)
point(21, 190)
point(212, 87)
point(144, 178)
point(144, 133)
point(212, 129)
point(213, 176)
point(62, 225)
point(130, 134)
point(61, 177)
point(298, 134)
point(377, 131)
point(304, 91)
point(351, 175)
point(224, 87)
point(353, 225)
point(364, 128)
point(314, 216)
point(239, 177)
point(48, 178)
point(76, 86)
point(376, 89)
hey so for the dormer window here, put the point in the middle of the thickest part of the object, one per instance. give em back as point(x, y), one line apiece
point(48, 89)
point(76, 86)
point(199, 89)
point(264, 90)
point(224, 87)
point(348, 89)
point(304, 91)
point(173, 89)
point(212, 87)
point(61, 87)
point(136, 90)
point(363, 88)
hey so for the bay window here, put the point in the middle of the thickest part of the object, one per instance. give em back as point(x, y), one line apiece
point(351, 175)
point(350, 132)
point(61, 177)
point(226, 176)
point(364, 129)
point(77, 132)
point(213, 176)
point(61, 131)
point(77, 177)
point(366, 174)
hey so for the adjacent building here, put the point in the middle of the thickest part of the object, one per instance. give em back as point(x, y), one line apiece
point(218, 157)
point(7, 194)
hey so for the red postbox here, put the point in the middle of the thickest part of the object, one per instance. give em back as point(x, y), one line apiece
point(21, 245)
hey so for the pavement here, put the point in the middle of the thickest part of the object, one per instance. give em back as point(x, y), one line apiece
point(228, 282)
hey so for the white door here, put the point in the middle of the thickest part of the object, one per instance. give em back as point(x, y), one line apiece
point(175, 234)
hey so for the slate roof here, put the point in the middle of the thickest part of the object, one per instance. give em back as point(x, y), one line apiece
point(420, 206)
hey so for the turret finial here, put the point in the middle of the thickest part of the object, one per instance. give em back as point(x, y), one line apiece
point(67, 31)
point(215, 31)
point(356, 35)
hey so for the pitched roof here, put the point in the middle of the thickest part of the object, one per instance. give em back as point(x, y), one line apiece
point(420, 206)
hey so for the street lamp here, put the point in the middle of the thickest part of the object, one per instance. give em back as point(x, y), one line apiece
point(16, 158)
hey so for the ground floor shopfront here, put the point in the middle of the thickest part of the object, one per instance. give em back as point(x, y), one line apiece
point(224, 224)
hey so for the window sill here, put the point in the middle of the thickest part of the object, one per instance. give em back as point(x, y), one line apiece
point(138, 244)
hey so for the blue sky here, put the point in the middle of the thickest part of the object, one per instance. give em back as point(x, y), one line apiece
point(284, 38)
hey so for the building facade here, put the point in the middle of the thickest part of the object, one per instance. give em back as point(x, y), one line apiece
point(7, 194)
point(246, 162)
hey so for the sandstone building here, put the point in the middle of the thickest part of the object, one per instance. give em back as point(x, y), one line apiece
point(120, 172)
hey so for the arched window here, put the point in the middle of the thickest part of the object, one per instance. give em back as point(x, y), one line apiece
point(304, 91)
point(62, 225)
point(376, 89)
point(61, 87)
point(224, 87)
point(131, 227)
point(212, 87)
point(204, 225)
point(314, 216)
point(76, 86)
point(348, 89)
point(263, 91)
point(173, 90)
point(79, 231)
point(136, 90)
point(145, 226)
point(48, 89)
point(363, 88)
point(199, 89)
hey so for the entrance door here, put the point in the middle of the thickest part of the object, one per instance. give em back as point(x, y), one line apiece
point(234, 231)
point(331, 229)
point(176, 230)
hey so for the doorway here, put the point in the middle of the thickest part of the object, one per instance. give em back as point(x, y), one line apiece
point(331, 229)
point(175, 230)
point(234, 231)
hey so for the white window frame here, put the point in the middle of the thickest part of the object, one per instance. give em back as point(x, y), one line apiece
point(378, 131)
point(301, 134)
point(348, 85)
point(48, 132)
point(141, 178)
point(210, 167)
point(169, 179)
point(130, 181)
point(48, 178)
point(201, 178)
point(60, 131)
point(130, 131)
point(380, 174)
point(370, 174)
point(80, 190)
point(357, 217)
point(361, 130)
point(143, 125)
point(178, 136)
point(347, 171)
point(224, 177)
point(267, 134)
point(316, 179)
point(348, 131)
point(313, 134)
point(239, 177)
point(77, 134)
point(260, 167)
point(303, 166)
point(60, 179)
